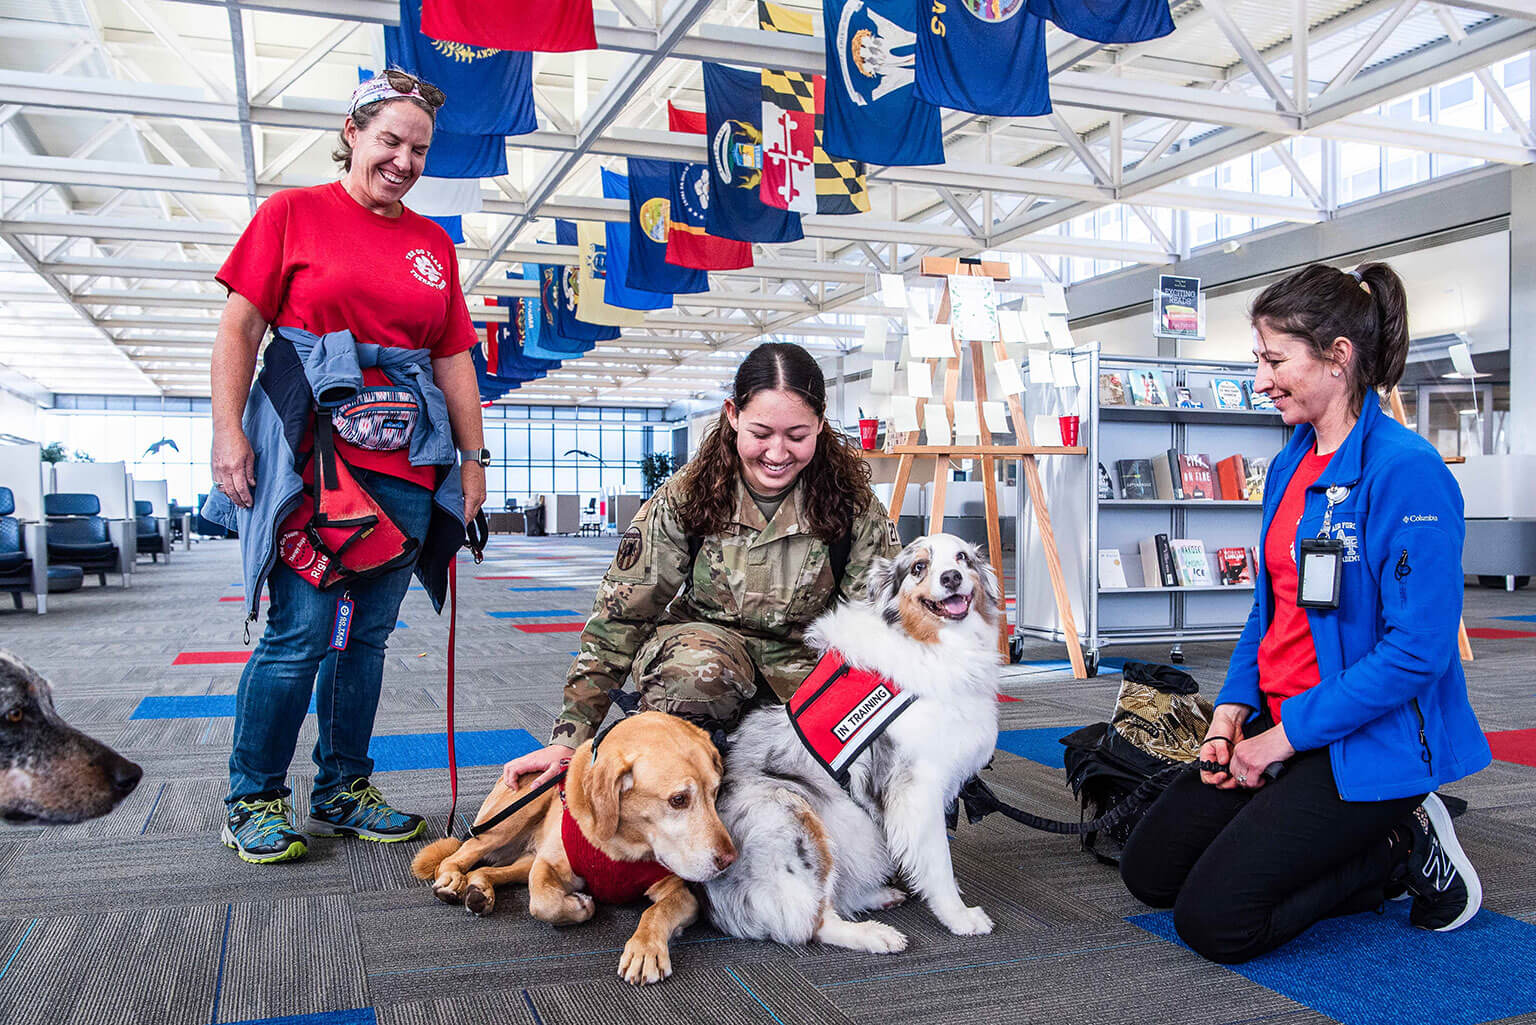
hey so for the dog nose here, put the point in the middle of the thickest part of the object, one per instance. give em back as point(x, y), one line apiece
point(724, 860)
point(125, 776)
point(950, 579)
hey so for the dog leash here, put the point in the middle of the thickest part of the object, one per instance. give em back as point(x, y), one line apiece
point(478, 533)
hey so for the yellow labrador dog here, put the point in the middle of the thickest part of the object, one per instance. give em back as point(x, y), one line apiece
point(635, 816)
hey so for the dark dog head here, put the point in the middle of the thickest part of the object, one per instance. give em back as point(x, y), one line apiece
point(935, 582)
point(50, 772)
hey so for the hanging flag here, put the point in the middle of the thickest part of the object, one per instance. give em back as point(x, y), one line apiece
point(538, 338)
point(984, 56)
point(650, 186)
point(689, 244)
point(444, 197)
point(549, 26)
point(616, 288)
point(873, 112)
point(490, 91)
point(733, 108)
point(1107, 21)
point(813, 182)
point(567, 296)
point(466, 156)
point(592, 273)
point(454, 226)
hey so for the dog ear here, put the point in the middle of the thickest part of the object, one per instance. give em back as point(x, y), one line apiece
point(606, 780)
point(880, 572)
point(987, 578)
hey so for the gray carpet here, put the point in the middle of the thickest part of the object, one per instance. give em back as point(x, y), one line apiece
point(144, 917)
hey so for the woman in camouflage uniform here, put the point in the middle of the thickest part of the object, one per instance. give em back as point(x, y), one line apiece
point(721, 571)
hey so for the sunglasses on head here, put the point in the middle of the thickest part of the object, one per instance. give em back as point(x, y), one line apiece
point(405, 82)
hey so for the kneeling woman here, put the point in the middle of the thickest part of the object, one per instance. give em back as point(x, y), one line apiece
point(1347, 672)
point(722, 570)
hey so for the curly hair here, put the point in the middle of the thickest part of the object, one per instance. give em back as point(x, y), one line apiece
point(834, 484)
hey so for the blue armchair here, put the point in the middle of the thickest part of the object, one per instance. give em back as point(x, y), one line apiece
point(78, 536)
point(147, 531)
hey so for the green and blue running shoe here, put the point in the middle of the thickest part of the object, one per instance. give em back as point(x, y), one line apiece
point(360, 810)
point(260, 830)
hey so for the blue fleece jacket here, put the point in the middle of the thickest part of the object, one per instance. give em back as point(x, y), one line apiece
point(1391, 705)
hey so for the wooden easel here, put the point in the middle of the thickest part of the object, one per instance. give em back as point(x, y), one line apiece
point(1400, 414)
point(1026, 451)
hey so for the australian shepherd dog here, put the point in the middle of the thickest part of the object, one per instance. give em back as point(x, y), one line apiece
point(812, 855)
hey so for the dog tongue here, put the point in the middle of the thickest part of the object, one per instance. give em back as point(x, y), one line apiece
point(956, 604)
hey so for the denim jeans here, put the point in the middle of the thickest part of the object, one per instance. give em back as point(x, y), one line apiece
point(294, 655)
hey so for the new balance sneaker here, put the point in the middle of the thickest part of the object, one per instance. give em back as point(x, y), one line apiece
point(260, 830)
point(1446, 889)
point(360, 810)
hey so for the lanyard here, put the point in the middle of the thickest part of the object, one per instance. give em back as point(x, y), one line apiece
point(1335, 494)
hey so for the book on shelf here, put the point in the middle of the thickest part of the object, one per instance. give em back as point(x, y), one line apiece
point(1106, 488)
point(1232, 479)
point(1157, 566)
point(1111, 569)
point(1135, 478)
point(1229, 393)
point(1167, 476)
point(1148, 387)
point(1112, 390)
point(1257, 399)
point(1258, 469)
point(1234, 566)
point(1195, 471)
point(1190, 562)
point(1185, 399)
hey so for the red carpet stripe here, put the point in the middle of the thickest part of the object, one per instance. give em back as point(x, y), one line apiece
point(550, 628)
point(1518, 746)
point(1489, 633)
point(212, 658)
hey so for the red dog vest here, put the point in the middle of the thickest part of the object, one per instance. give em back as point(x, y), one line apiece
point(839, 710)
point(608, 880)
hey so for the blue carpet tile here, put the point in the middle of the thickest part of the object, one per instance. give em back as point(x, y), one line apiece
point(356, 1016)
point(533, 614)
point(396, 752)
point(191, 706)
point(1038, 745)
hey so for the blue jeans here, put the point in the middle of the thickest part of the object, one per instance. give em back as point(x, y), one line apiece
point(294, 653)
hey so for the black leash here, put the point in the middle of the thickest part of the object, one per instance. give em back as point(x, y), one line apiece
point(516, 806)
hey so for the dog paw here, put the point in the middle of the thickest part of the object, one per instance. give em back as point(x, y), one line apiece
point(968, 922)
point(449, 887)
point(880, 938)
point(478, 901)
point(579, 907)
point(644, 962)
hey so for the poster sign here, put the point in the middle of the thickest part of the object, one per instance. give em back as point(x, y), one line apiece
point(1178, 308)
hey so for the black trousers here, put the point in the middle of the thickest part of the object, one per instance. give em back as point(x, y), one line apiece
point(1246, 871)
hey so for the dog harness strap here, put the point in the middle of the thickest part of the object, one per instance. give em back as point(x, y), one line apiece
point(608, 880)
point(839, 710)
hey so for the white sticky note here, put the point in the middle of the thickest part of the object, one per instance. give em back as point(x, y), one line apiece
point(1046, 430)
point(1034, 329)
point(881, 407)
point(893, 290)
point(1061, 370)
point(1040, 367)
point(967, 425)
point(875, 330)
point(1055, 298)
point(996, 416)
point(882, 377)
point(1011, 326)
point(932, 341)
point(904, 412)
point(1461, 359)
point(1008, 379)
point(919, 380)
point(1061, 335)
point(936, 423)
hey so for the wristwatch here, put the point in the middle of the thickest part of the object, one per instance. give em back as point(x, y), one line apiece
point(476, 455)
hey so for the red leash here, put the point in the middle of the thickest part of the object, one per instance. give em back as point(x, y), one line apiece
point(477, 534)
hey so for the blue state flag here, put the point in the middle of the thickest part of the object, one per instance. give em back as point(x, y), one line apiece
point(1107, 21)
point(873, 112)
point(490, 91)
point(466, 156)
point(733, 112)
point(494, 386)
point(560, 291)
point(984, 56)
point(539, 338)
point(650, 217)
point(454, 226)
point(617, 291)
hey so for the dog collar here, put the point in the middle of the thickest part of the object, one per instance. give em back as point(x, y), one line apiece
point(839, 710)
point(608, 880)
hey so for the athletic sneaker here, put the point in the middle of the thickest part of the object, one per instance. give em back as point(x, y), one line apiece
point(1446, 889)
point(360, 810)
point(260, 830)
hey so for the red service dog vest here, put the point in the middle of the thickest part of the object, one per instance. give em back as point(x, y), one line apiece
point(608, 880)
point(839, 710)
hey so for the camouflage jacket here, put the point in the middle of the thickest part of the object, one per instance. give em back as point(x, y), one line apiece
point(764, 581)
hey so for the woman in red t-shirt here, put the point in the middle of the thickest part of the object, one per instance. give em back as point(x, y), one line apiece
point(345, 256)
point(1344, 705)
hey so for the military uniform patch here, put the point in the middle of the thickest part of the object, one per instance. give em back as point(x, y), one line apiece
point(892, 535)
point(630, 546)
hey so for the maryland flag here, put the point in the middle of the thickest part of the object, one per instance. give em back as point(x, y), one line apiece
point(798, 174)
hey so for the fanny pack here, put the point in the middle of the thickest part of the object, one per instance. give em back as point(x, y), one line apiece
point(839, 710)
point(377, 419)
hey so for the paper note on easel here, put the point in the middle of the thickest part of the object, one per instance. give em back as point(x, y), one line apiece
point(1011, 327)
point(1061, 335)
point(1008, 379)
point(966, 423)
point(893, 291)
point(1061, 370)
point(875, 330)
point(919, 380)
point(1040, 367)
point(931, 341)
point(1034, 329)
point(1055, 298)
point(936, 422)
point(904, 413)
point(973, 308)
point(882, 377)
point(996, 416)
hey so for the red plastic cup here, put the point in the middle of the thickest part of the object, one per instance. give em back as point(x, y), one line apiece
point(1069, 426)
point(868, 431)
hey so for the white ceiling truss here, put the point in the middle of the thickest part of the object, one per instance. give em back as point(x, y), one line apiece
point(136, 137)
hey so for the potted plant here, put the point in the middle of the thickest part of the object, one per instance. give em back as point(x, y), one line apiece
point(655, 468)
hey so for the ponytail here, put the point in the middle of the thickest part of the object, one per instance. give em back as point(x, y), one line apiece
point(1391, 299)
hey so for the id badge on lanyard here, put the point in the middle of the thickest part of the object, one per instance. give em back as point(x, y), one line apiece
point(1320, 561)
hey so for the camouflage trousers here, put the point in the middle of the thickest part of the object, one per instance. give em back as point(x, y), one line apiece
point(696, 671)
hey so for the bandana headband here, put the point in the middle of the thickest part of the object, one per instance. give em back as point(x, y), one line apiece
point(378, 88)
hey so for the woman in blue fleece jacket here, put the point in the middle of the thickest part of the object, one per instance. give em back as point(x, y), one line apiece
point(1360, 698)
